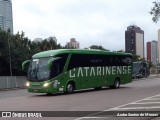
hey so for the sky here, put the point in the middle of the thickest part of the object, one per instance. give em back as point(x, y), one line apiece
point(91, 22)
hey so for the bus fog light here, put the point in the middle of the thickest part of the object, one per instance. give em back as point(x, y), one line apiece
point(27, 84)
point(55, 83)
point(45, 84)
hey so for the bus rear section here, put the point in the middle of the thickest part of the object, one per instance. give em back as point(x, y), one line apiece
point(98, 70)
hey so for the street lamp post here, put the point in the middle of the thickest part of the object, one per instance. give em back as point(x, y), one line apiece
point(157, 66)
point(9, 49)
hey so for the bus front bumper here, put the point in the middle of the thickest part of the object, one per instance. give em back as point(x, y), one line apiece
point(42, 88)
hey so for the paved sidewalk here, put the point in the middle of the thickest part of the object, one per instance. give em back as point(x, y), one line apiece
point(154, 75)
point(157, 118)
point(8, 89)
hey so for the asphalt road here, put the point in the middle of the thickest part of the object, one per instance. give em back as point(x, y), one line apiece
point(140, 95)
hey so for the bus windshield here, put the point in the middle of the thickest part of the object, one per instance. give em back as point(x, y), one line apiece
point(136, 65)
point(38, 69)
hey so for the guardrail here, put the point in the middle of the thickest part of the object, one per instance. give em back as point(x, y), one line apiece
point(8, 82)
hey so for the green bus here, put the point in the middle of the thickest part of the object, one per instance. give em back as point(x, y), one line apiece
point(66, 70)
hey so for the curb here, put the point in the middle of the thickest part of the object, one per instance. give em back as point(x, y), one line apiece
point(9, 89)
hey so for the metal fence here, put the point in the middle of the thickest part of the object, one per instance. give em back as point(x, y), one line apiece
point(7, 82)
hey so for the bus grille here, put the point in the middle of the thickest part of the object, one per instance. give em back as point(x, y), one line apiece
point(36, 86)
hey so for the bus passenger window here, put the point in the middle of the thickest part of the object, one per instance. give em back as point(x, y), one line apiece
point(55, 69)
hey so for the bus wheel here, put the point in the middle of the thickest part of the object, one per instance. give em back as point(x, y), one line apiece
point(49, 94)
point(98, 88)
point(70, 88)
point(116, 84)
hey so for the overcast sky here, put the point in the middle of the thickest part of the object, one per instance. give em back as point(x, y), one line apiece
point(91, 22)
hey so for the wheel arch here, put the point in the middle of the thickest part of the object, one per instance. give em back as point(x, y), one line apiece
point(114, 86)
point(73, 83)
point(118, 78)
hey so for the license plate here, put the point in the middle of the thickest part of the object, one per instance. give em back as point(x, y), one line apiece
point(35, 90)
point(36, 84)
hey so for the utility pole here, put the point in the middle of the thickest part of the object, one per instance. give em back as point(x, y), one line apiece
point(9, 49)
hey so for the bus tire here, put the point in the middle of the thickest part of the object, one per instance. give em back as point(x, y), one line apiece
point(98, 88)
point(70, 88)
point(116, 84)
point(49, 94)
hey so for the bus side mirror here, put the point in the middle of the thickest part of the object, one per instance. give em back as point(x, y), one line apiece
point(49, 65)
point(25, 64)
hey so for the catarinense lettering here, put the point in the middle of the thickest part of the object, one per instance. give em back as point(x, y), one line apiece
point(99, 71)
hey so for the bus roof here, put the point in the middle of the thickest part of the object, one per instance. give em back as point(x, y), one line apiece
point(78, 51)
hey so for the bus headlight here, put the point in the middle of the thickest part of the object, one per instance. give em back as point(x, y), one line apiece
point(27, 84)
point(45, 84)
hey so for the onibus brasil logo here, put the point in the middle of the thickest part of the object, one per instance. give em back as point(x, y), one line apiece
point(21, 114)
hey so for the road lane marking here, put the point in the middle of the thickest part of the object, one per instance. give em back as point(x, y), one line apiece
point(154, 99)
point(118, 107)
point(92, 118)
point(87, 117)
point(134, 108)
point(146, 103)
point(133, 102)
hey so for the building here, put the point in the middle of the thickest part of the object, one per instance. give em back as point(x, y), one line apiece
point(134, 40)
point(152, 52)
point(6, 15)
point(52, 38)
point(73, 44)
point(38, 40)
point(1, 23)
point(148, 52)
point(159, 45)
point(48, 39)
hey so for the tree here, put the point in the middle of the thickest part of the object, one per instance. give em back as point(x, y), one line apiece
point(155, 11)
point(15, 49)
point(4, 54)
point(97, 47)
point(20, 51)
point(138, 58)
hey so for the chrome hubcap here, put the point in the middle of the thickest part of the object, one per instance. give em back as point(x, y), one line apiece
point(70, 88)
point(117, 84)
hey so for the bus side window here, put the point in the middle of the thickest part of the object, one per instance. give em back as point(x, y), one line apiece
point(96, 61)
point(58, 65)
point(62, 61)
point(109, 60)
point(127, 60)
point(80, 60)
point(55, 69)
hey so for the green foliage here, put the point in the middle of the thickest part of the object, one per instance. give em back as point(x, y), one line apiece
point(155, 11)
point(97, 47)
point(151, 65)
point(136, 58)
point(20, 49)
